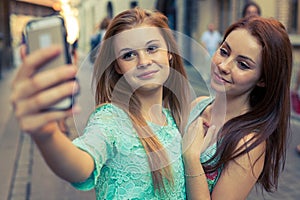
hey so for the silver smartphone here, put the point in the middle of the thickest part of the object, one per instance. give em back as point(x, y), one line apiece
point(43, 32)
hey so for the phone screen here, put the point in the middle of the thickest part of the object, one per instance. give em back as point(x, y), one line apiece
point(43, 32)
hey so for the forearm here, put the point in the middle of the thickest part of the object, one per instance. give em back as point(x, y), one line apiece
point(65, 159)
point(196, 183)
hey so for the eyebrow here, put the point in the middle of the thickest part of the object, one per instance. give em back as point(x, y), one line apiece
point(129, 49)
point(241, 56)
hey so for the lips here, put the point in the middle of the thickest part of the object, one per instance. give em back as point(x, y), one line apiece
point(147, 75)
point(220, 79)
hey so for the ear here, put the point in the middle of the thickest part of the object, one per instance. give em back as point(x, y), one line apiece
point(170, 56)
point(261, 83)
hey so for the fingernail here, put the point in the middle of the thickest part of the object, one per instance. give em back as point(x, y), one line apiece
point(72, 69)
point(75, 87)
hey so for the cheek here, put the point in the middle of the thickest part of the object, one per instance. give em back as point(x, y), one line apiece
point(161, 57)
point(249, 80)
point(215, 60)
point(124, 67)
point(166, 72)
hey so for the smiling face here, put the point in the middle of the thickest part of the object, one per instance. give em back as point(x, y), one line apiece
point(142, 57)
point(236, 65)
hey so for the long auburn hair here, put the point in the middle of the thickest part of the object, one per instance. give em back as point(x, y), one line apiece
point(106, 79)
point(269, 115)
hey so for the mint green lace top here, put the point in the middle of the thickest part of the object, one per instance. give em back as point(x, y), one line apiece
point(213, 177)
point(121, 165)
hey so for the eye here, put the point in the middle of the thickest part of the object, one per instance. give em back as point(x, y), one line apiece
point(243, 65)
point(152, 48)
point(223, 52)
point(128, 55)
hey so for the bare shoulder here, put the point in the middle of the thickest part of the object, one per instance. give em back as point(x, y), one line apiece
point(240, 174)
point(255, 154)
point(250, 139)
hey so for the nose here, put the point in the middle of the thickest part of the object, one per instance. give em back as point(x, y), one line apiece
point(144, 59)
point(226, 65)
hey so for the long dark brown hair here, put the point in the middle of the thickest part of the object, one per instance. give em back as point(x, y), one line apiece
point(269, 115)
point(106, 79)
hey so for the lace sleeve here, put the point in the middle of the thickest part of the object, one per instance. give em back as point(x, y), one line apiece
point(98, 140)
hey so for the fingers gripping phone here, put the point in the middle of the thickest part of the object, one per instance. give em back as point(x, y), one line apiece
point(43, 32)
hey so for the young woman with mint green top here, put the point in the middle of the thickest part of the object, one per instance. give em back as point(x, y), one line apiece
point(121, 165)
point(248, 117)
point(131, 146)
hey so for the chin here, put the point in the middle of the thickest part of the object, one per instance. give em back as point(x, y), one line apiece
point(217, 87)
point(149, 87)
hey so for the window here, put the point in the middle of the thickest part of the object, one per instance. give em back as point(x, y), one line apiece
point(294, 21)
point(133, 4)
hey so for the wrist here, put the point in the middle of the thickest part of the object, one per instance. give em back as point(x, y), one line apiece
point(193, 169)
point(191, 157)
point(194, 175)
point(46, 134)
point(42, 138)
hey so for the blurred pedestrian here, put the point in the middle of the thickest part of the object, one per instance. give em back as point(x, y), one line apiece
point(131, 146)
point(97, 38)
point(250, 74)
point(211, 39)
point(251, 8)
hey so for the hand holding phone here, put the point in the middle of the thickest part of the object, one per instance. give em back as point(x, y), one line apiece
point(44, 32)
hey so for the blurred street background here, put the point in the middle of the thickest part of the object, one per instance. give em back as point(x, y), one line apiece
point(24, 174)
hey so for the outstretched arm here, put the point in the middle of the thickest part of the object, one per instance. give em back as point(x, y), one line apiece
point(32, 92)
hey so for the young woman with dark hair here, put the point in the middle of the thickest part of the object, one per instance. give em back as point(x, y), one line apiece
point(250, 74)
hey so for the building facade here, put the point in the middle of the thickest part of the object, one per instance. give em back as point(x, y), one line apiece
point(91, 12)
point(224, 12)
point(192, 16)
point(189, 17)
